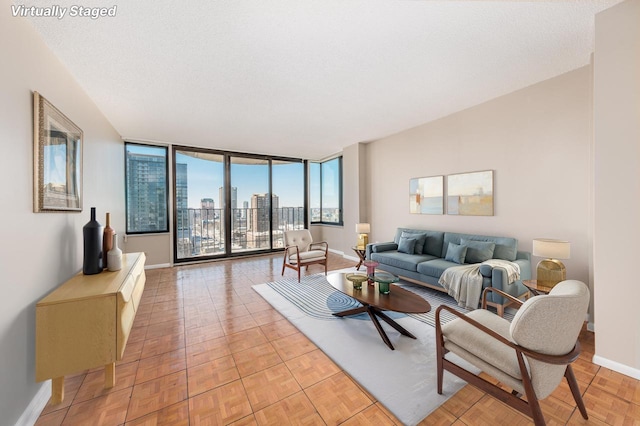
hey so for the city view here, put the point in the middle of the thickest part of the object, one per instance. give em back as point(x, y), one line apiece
point(257, 219)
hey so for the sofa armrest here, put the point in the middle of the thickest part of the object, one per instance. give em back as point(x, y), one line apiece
point(380, 247)
point(500, 281)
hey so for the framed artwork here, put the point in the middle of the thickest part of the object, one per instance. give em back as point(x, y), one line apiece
point(470, 194)
point(57, 159)
point(426, 195)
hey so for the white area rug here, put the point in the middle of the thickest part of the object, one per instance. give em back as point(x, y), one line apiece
point(403, 380)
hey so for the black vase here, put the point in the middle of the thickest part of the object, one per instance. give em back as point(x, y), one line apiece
point(92, 234)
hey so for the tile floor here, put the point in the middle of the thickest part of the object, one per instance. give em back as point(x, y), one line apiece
point(207, 349)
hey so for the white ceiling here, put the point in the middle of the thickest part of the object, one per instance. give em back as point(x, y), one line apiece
point(305, 78)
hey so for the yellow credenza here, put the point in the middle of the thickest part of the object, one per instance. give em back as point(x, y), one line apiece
point(85, 323)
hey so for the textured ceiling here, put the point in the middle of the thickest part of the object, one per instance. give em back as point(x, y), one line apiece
point(306, 78)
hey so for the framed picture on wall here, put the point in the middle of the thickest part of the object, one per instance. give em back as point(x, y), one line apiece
point(470, 194)
point(426, 195)
point(57, 159)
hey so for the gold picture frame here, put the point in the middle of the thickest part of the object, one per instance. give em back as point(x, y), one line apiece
point(57, 159)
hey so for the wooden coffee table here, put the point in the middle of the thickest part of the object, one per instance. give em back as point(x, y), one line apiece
point(374, 303)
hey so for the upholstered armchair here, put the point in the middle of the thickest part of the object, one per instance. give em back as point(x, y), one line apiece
point(300, 251)
point(530, 355)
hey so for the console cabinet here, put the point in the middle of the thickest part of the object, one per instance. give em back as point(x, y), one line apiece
point(85, 323)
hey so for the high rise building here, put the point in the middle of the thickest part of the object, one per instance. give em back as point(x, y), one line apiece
point(182, 202)
point(146, 192)
point(260, 212)
point(207, 203)
point(234, 197)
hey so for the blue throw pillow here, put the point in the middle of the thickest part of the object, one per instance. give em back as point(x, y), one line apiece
point(478, 251)
point(406, 245)
point(456, 253)
point(420, 240)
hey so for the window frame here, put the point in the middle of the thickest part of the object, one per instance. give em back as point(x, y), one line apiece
point(126, 189)
point(340, 221)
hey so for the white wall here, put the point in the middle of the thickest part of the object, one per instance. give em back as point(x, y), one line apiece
point(617, 187)
point(537, 140)
point(39, 251)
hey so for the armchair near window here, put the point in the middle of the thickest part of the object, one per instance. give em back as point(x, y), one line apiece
point(529, 355)
point(300, 250)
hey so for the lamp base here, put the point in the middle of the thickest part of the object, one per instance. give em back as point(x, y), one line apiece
point(363, 240)
point(551, 272)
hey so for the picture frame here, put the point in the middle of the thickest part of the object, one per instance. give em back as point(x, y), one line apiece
point(57, 159)
point(426, 195)
point(470, 194)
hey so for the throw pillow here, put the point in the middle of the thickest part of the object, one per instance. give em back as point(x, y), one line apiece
point(478, 251)
point(420, 240)
point(406, 245)
point(456, 253)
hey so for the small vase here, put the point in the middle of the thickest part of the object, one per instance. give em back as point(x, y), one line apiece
point(114, 257)
point(107, 241)
point(92, 236)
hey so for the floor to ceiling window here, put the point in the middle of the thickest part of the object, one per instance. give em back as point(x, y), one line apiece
point(288, 198)
point(230, 203)
point(250, 204)
point(199, 214)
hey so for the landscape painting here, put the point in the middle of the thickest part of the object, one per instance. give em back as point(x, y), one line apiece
point(470, 194)
point(426, 195)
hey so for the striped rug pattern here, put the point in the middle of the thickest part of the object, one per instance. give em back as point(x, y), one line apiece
point(317, 298)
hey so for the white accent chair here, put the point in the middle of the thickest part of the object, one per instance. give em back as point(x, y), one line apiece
point(300, 250)
point(529, 355)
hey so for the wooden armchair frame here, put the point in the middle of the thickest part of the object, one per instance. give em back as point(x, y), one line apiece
point(321, 245)
point(530, 408)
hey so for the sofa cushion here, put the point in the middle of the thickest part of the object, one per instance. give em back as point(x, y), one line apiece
point(456, 253)
point(380, 247)
point(420, 240)
point(435, 267)
point(433, 242)
point(401, 260)
point(478, 251)
point(506, 248)
point(406, 245)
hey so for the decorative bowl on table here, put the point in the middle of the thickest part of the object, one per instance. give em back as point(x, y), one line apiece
point(357, 280)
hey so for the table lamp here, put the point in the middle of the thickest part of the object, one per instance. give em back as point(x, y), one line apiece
point(363, 229)
point(551, 271)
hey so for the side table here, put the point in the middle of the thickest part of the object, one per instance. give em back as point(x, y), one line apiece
point(361, 252)
point(535, 288)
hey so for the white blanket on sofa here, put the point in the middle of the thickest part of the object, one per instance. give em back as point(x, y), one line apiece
point(464, 282)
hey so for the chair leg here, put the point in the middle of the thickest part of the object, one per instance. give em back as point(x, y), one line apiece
point(299, 268)
point(532, 398)
point(575, 391)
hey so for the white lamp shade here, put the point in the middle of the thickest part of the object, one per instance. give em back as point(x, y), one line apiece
point(363, 228)
point(552, 249)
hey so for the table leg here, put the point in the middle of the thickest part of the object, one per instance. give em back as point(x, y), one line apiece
point(353, 311)
point(384, 336)
point(57, 390)
point(110, 375)
point(393, 324)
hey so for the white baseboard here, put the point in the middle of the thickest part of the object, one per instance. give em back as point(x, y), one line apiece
point(355, 259)
point(616, 366)
point(341, 253)
point(35, 407)
point(158, 266)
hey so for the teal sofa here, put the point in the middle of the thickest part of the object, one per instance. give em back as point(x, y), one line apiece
point(428, 259)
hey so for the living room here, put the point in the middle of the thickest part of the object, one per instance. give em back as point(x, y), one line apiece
point(563, 151)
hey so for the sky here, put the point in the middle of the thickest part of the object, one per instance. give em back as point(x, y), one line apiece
point(205, 176)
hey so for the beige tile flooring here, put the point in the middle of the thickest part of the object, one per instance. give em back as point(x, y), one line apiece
point(207, 349)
